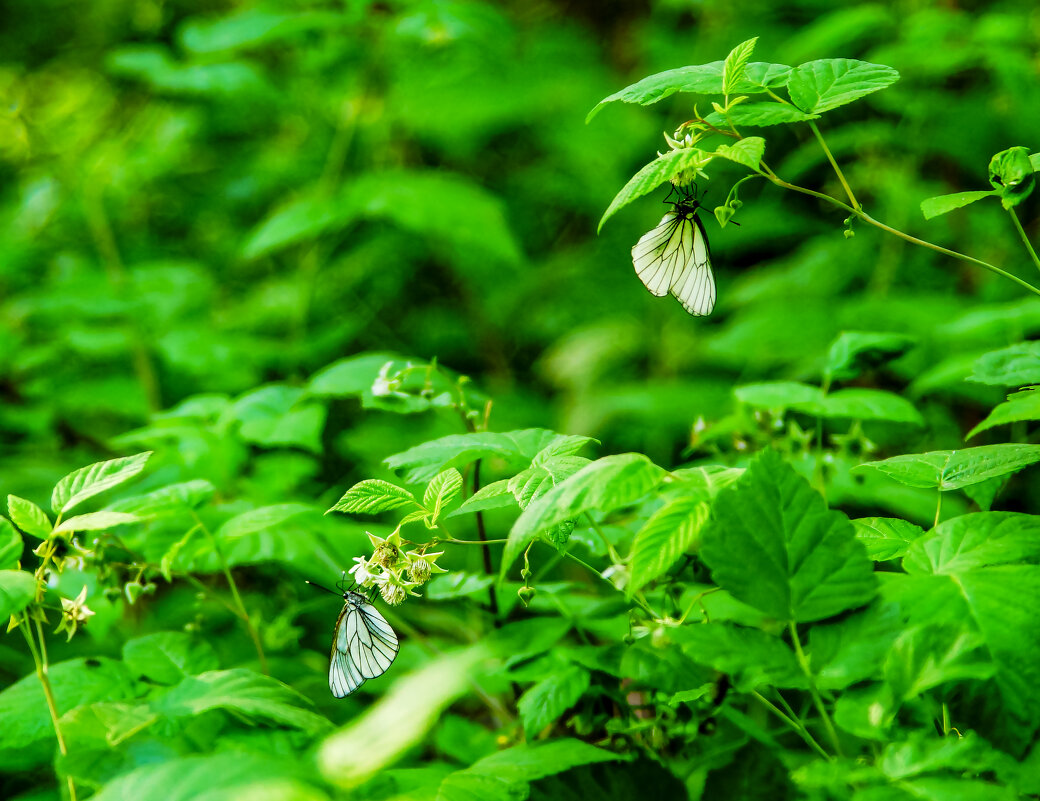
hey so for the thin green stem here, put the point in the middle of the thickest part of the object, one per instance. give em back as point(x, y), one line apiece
point(39, 656)
point(453, 541)
point(794, 723)
point(813, 691)
point(641, 602)
point(242, 613)
point(1025, 239)
point(938, 508)
point(694, 601)
point(489, 569)
point(834, 164)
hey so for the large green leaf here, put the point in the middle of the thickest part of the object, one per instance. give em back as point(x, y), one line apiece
point(774, 545)
point(819, 86)
point(88, 481)
point(943, 204)
point(950, 470)
point(167, 657)
point(760, 115)
point(855, 351)
point(547, 700)
point(751, 657)
point(975, 540)
point(886, 537)
point(373, 496)
point(1018, 407)
point(867, 404)
point(671, 531)
point(605, 484)
point(1013, 366)
point(17, 589)
point(11, 545)
point(243, 692)
point(29, 517)
point(853, 648)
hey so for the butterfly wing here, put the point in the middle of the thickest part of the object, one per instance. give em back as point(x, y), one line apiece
point(661, 254)
point(344, 676)
point(373, 644)
point(694, 286)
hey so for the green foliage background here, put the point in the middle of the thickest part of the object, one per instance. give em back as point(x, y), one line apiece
point(207, 204)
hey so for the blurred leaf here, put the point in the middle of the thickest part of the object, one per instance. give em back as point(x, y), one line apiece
point(398, 720)
point(949, 470)
point(88, 481)
point(250, 28)
point(352, 376)
point(279, 416)
point(1018, 407)
point(96, 521)
point(525, 763)
point(773, 543)
point(244, 692)
point(854, 648)
point(456, 584)
point(819, 86)
point(547, 700)
point(751, 657)
point(372, 496)
point(929, 656)
point(673, 530)
point(232, 80)
point(1014, 366)
point(605, 484)
point(866, 404)
point(17, 590)
point(975, 540)
point(463, 740)
point(29, 517)
point(853, 352)
point(465, 786)
point(886, 537)
point(166, 657)
point(11, 545)
point(171, 499)
point(778, 395)
point(706, 481)
point(943, 204)
point(262, 519)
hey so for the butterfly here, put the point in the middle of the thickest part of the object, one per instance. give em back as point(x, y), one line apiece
point(674, 257)
point(363, 644)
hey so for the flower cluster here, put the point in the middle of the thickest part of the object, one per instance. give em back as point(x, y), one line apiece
point(393, 570)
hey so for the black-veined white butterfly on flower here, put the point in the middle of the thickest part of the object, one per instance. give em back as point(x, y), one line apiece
point(363, 644)
point(675, 257)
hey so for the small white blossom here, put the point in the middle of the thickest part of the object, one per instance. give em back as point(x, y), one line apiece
point(364, 574)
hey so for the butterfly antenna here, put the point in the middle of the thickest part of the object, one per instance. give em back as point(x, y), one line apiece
point(320, 587)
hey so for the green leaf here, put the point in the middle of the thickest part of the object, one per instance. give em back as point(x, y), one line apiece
point(17, 590)
point(11, 546)
point(1018, 407)
point(546, 701)
point(279, 416)
point(243, 692)
point(525, 763)
point(866, 404)
point(700, 79)
point(760, 115)
point(88, 481)
point(262, 519)
point(167, 657)
point(172, 499)
point(735, 65)
point(1014, 366)
point(706, 481)
point(774, 545)
point(495, 495)
point(465, 786)
point(975, 540)
point(661, 170)
point(350, 377)
point(75, 682)
point(96, 521)
point(747, 152)
point(673, 530)
point(886, 537)
point(235, 775)
point(751, 657)
point(854, 648)
point(456, 584)
point(856, 351)
point(924, 753)
point(441, 491)
point(950, 470)
point(820, 86)
point(251, 28)
point(605, 484)
point(778, 395)
point(924, 657)
point(372, 496)
point(1011, 173)
point(943, 204)
point(398, 720)
point(537, 480)
point(29, 517)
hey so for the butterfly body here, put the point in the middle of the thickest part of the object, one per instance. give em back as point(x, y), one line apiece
point(674, 257)
point(363, 645)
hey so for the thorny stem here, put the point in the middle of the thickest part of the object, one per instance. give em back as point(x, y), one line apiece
point(794, 723)
point(241, 612)
point(39, 656)
point(1025, 239)
point(813, 691)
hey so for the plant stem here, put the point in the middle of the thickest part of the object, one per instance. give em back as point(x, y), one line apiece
point(694, 601)
point(896, 232)
point(794, 723)
point(639, 600)
point(242, 614)
point(815, 693)
point(1025, 239)
point(834, 164)
point(938, 509)
point(489, 569)
point(39, 656)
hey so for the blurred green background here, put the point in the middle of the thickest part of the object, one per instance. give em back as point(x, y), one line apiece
point(204, 198)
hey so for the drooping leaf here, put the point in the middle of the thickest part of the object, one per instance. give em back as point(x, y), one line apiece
point(167, 657)
point(495, 495)
point(278, 415)
point(11, 545)
point(819, 86)
point(867, 404)
point(1017, 408)
point(527, 762)
point(17, 589)
point(547, 700)
point(29, 517)
point(89, 481)
point(372, 496)
point(778, 395)
point(943, 204)
point(924, 657)
point(774, 545)
point(671, 531)
point(949, 470)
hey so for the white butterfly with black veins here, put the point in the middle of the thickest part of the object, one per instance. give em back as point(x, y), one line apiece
point(363, 644)
point(674, 257)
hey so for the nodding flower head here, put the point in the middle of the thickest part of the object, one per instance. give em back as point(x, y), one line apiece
point(392, 593)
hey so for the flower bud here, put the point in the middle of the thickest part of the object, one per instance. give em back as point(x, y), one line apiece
point(386, 555)
point(393, 594)
point(420, 571)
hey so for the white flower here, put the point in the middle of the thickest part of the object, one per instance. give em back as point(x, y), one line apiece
point(364, 574)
